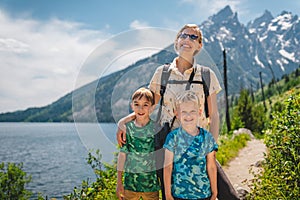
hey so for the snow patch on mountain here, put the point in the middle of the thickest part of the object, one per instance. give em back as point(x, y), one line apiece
point(259, 62)
point(290, 56)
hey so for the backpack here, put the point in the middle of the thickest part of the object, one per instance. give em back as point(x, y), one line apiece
point(162, 131)
point(205, 73)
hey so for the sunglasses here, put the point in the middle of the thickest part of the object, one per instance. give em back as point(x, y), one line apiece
point(185, 35)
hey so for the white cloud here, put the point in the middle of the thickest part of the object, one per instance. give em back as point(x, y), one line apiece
point(40, 59)
point(13, 45)
point(43, 60)
point(138, 24)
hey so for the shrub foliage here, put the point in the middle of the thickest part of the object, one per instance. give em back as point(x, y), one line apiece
point(105, 185)
point(13, 181)
point(281, 169)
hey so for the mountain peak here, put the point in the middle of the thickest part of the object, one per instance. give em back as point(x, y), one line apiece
point(266, 18)
point(288, 16)
point(227, 9)
point(284, 12)
point(225, 13)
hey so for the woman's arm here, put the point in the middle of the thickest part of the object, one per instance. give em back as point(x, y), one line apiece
point(121, 132)
point(212, 173)
point(168, 167)
point(156, 98)
point(213, 115)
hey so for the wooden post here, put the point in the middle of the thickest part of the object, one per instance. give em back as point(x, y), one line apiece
point(262, 91)
point(226, 92)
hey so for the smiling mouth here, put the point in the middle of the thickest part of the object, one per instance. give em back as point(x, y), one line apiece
point(189, 120)
point(186, 46)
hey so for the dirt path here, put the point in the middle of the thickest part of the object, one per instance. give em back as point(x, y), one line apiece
point(238, 169)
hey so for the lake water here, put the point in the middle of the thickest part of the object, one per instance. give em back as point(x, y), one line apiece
point(54, 154)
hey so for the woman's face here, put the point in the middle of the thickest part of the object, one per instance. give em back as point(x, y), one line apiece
point(188, 42)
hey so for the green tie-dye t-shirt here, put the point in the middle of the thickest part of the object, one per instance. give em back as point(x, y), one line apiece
point(140, 174)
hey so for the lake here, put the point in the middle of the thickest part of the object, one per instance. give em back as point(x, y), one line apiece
point(54, 154)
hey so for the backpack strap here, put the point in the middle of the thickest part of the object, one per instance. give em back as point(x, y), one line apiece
point(164, 79)
point(163, 85)
point(205, 73)
point(188, 85)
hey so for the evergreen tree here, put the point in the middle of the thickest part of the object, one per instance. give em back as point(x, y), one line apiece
point(244, 108)
point(247, 114)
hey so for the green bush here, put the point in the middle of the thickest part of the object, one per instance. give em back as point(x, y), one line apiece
point(281, 169)
point(13, 181)
point(105, 185)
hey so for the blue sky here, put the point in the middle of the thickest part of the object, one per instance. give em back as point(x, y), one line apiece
point(115, 16)
point(44, 45)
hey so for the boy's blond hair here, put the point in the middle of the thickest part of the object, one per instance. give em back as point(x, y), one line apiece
point(143, 92)
point(187, 96)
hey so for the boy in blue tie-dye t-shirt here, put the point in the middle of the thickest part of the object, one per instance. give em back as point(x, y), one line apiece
point(190, 165)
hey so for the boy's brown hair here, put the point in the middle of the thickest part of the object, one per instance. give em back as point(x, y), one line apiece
point(143, 92)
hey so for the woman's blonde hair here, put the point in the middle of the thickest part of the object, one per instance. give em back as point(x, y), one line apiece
point(192, 26)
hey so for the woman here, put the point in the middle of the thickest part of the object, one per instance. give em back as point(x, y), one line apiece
point(188, 43)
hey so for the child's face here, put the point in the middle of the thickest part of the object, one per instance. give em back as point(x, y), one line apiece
point(142, 108)
point(188, 114)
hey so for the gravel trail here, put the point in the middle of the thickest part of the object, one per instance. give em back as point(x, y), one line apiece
point(250, 156)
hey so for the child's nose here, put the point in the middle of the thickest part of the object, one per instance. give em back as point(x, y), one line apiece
point(188, 114)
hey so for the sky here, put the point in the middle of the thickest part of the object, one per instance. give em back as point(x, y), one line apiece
point(47, 47)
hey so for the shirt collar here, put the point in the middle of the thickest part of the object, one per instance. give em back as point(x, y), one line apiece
point(187, 134)
point(174, 68)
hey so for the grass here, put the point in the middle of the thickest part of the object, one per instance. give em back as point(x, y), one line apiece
point(229, 148)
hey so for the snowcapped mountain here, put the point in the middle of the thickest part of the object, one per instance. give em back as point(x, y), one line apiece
point(280, 39)
point(267, 44)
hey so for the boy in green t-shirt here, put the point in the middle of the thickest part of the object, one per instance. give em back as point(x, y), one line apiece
point(136, 157)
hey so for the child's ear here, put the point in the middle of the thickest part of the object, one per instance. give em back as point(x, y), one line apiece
point(152, 108)
point(131, 106)
point(176, 113)
point(200, 111)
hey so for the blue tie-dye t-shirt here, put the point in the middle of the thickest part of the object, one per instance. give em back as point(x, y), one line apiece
point(189, 176)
